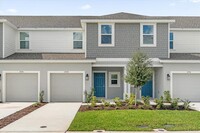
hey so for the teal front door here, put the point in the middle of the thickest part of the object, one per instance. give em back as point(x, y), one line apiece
point(99, 84)
point(147, 89)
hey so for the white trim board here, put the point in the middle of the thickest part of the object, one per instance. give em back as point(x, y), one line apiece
point(106, 84)
point(126, 21)
point(17, 72)
point(47, 61)
point(63, 72)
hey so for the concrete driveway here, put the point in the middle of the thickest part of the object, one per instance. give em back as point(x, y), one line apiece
point(7, 109)
point(53, 117)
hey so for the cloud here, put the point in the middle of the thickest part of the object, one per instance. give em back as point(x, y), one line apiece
point(12, 10)
point(86, 7)
point(195, 1)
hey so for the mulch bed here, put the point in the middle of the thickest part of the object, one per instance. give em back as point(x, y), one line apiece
point(19, 114)
point(84, 108)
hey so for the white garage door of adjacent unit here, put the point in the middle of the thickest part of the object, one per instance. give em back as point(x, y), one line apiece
point(186, 86)
point(21, 87)
point(66, 87)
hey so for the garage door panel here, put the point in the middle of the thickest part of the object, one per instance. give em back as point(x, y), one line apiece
point(186, 86)
point(66, 87)
point(21, 87)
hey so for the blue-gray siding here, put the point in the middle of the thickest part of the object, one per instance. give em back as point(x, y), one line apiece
point(1, 40)
point(127, 41)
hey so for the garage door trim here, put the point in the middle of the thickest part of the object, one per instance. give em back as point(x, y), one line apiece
point(13, 72)
point(179, 72)
point(67, 72)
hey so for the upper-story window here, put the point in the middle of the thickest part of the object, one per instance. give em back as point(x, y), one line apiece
point(24, 40)
point(171, 36)
point(106, 34)
point(148, 35)
point(78, 40)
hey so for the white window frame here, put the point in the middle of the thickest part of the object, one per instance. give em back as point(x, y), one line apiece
point(118, 79)
point(77, 40)
point(154, 35)
point(99, 35)
point(24, 40)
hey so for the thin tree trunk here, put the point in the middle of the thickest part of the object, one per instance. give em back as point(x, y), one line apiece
point(135, 96)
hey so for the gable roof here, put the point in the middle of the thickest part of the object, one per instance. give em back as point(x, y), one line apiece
point(75, 21)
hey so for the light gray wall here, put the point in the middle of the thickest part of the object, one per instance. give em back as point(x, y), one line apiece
point(43, 68)
point(113, 92)
point(1, 40)
point(159, 79)
point(127, 41)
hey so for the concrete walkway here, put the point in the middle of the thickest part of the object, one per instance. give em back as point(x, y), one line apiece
point(7, 109)
point(53, 117)
point(195, 106)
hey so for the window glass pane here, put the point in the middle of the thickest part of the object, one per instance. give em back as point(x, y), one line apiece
point(147, 29)
point(78, 44)
point(114, 76)
point(24, 36)
point(114, 82)
point(106, 29)
point(77, 36)
point(148, 39)
point(106, 39)
point(171, 45)
point(24, 44)
point(171, 36)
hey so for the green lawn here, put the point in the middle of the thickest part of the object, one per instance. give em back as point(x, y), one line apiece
point(131, 120)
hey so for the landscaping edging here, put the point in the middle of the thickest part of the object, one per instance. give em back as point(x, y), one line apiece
point(19, 114)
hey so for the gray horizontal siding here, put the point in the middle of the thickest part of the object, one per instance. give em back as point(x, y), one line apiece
point(127, 41)
point(1, 40)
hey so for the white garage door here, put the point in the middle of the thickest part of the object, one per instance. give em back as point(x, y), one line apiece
point(66, 87)
point(186, 86)
point(21, 87)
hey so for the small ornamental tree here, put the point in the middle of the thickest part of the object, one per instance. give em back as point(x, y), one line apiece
point(138, 72)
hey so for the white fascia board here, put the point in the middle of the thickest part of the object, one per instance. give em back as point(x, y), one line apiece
point(8, 23)
point(47, 61)
point(120, 59)
point(52, 29)
point(184, 29)
point(179, 61)
point(126, 21)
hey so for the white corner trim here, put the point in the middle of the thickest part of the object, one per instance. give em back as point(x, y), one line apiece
point(168, 40)
point(64, 72)
point(154, 35)
point(113, 35)
point(126, 21)
point(17, 72)
point(3, 45)
point(106, 84)
point(8, 23)
point(118, 79)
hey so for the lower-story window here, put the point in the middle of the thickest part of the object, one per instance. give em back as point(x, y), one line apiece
point(114, 79)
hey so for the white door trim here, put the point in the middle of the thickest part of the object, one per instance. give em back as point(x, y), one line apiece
point(67, 72)
point(4, 82)
point(105, 81)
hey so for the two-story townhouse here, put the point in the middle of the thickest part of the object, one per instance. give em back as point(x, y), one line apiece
point(64, 56)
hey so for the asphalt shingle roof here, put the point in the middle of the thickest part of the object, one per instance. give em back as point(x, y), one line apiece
point(74, 21)
point(45, 56)
point(183, 56)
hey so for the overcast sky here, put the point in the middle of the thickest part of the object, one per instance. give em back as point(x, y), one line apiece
point(100, 7)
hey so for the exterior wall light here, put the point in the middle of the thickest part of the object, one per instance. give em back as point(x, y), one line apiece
point(87, 77)
point(168, 77)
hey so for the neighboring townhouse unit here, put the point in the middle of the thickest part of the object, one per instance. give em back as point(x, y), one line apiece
point(64, 56)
